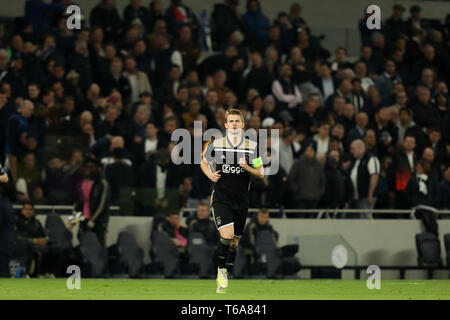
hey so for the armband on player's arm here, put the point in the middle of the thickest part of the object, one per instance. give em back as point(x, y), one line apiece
point(257, 162)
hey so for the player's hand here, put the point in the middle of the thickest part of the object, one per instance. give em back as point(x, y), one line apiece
point(243, 163)
point(215, 176)
point(91, 224)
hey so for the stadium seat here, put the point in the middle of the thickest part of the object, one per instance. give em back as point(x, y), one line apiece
point(428, 249)
point(200, 254)
point(18, 260)
point(165, 253)
point(291, 263)
point(126, 256)
point(447, 247)
point(60, 247)
point(268, 254)
point(93, 256)
point(59, 235)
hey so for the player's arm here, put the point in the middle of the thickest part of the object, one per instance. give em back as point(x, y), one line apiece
point(205, 165)
point(256, 169)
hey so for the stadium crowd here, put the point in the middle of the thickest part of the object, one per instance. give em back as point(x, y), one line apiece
point(370, 132)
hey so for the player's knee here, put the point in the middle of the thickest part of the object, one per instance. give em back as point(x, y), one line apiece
point(234, 243)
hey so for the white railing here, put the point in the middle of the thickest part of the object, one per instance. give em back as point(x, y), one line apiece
point(321, 213)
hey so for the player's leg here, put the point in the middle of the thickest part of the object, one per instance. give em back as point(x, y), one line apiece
point(232, 254)
point(223, 218)
point(240, 218)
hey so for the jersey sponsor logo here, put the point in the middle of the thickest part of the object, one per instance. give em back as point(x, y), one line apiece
point(226, 168)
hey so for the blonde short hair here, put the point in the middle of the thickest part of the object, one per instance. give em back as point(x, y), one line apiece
point(234, 112)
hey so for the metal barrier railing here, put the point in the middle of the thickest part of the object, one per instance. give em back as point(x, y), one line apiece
point(321, 213)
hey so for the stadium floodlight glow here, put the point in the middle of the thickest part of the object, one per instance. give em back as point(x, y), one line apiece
point(268, 142)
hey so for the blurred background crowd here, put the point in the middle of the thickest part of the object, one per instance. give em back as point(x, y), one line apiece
point(371, 131)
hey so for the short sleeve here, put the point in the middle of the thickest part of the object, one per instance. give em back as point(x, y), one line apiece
point(373, 166)
point(208, 152)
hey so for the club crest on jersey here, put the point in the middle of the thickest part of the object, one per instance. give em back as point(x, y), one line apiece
point(218, 221)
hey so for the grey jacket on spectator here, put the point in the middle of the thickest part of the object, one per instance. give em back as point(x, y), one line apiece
point(307, 179)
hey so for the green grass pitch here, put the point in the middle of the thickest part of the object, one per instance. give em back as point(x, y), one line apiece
point(154, 289)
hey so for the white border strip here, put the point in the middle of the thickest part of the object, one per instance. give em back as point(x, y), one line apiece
point(225, 225)
point(233, 150)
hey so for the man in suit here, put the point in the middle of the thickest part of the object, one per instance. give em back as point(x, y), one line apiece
point(400, 170)
point(344, 90)
point(358, 131)
point(152, 142)
point(326, 83)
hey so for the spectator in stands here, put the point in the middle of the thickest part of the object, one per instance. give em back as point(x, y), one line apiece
point(414, 22)
point(226, 19)
point(341, 61)
point(421, 187)
point(160, 174)
point(191, 114)
point(286, 93)
point(28, 229)
point(286, 152)
point(134, 12)
point(155, 13)
point(338, 188)
point(358, 131)
point(164, 57)
point(360, 69)
point(190, 51)
point(105, 15)
point(364, 174)
point(326, 83)
point(402, 167)
point(343, 91)
point(443, 200)
point(116, 80)
point(395, 26)
point(136, 131)
point(425, 113)
point(120, 177)
point(203, 223)
point(104, 149)
point(28, 175)
point(385, 131)
point(151, 142)
point(251, 232)
point(307, 179)
point(256, 22)
point(407, 127)
point(177, 15)
point(139, 82)
point(177, 231)
point(378, 44)
point(16, 132)
point(95, 199)
point(322, 138)
point(386, 81)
